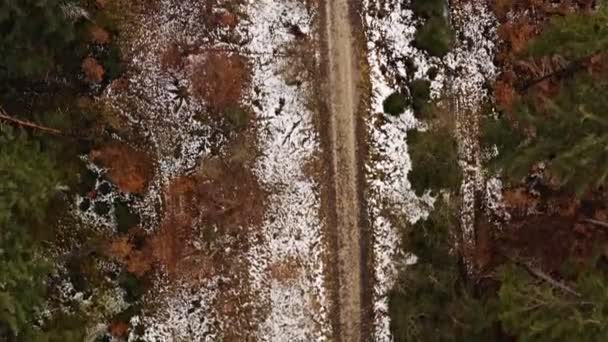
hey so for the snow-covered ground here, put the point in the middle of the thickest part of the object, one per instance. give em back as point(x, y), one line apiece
point(177, 141)
point(291, 307)
point(472, 63)
point(292, 233)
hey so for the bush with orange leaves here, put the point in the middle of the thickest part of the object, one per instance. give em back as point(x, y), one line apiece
point(218, 79)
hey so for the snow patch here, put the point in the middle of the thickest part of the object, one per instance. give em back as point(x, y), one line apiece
point(298, 308)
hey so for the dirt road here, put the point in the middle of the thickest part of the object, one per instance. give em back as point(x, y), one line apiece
point(342, 80)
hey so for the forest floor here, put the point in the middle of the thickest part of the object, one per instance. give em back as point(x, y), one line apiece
point(343, 79)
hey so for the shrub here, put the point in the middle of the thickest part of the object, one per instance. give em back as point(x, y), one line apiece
point(420, 91)
point(395, 103)
point(428, 8)
point(434, 156)
point(125, 217)
point(434, 37)
point(219, 79)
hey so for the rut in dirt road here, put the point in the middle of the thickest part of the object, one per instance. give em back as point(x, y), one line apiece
point(343, 79)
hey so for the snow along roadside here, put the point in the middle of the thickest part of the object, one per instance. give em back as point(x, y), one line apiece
point(292, 232)
point(390, 29)
point(472, 64)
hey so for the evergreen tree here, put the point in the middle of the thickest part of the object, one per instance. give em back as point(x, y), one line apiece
point(574, 36)
point(567, 128)
point(537, 311)
point(434, 155)
point(435, 36)
point(27, 181)
point(432, 300)
point(32, 33)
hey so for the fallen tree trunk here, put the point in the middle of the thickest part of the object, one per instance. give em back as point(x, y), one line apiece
point(4, 116)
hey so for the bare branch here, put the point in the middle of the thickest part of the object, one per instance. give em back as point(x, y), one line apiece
point(544, 276)
point(597, 222)
point(4, 116)
point(547, 278)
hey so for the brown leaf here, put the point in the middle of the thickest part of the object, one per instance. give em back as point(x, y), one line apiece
point(139, 263)
point(504, 95)
point(226, 19)
point(120, 248)
point(93, 71)
point(219, 79)
point(99, 35)
point(119, 329)
point(129, 169)
point(101, 3)
point(172, 57)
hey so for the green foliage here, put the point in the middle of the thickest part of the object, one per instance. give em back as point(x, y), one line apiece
point(435, 37)
point(27, 181)
point(125, 217)
point(420, 91)
point(434, 156)
point(134, 287)
point(111, 59)
point(21, 273)
point(574, 36)
point(538, 312)
point(431, 300)
point(570, 131)
point(31, 33)
point(496, 131)
point(428, 8)
point(27, 177)
point(395, 103)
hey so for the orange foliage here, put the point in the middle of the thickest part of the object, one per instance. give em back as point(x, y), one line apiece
point(99, 35)
point(93, 71)
point(119, 329)
point(219, 79)
point(504, 94)
point(138, 262)
point(128, 168)
point(227, 196)
point(517, 34)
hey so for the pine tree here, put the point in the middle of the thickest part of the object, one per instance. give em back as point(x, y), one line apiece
point(574, 36)
point(27, 181)
point(432, 300)
point(538, 311)
point(32, 32)
point(566, 128)
point(434, 155)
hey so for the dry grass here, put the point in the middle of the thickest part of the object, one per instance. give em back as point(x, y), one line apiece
point(219, 78)
point(286, 270)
